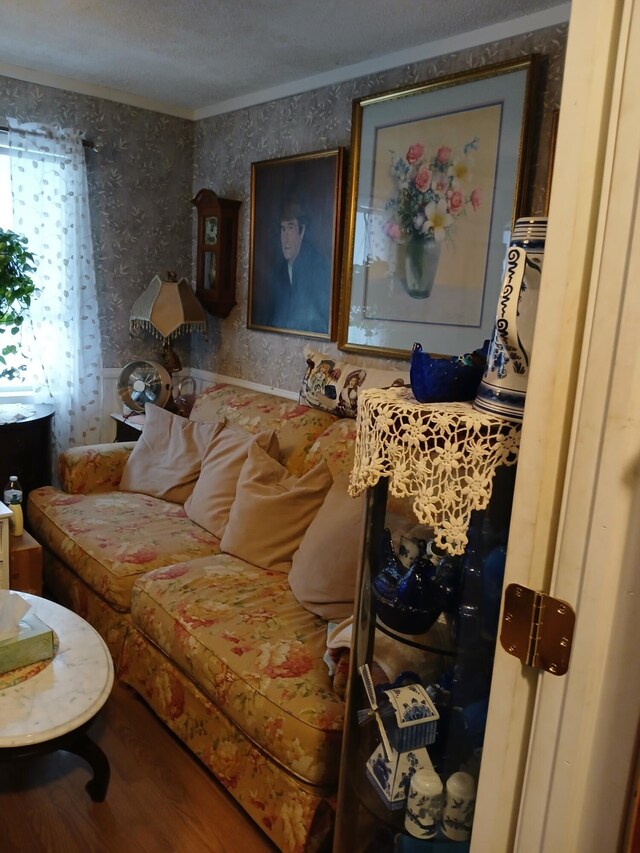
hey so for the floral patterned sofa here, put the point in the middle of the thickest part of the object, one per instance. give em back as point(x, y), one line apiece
point(220, 649)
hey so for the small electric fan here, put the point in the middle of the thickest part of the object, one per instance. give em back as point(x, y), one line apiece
point(143, 382)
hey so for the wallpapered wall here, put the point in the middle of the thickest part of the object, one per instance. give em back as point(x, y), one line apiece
point(226, 145)
point(140, 178)
point(148, 166)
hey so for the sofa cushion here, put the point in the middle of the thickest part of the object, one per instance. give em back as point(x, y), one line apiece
point(210, 502)
point(333, 385)
point(239, 634)
point(111, 538)
point(271, 511)
point(323, 570)
point(297, 426)
point(166, 460)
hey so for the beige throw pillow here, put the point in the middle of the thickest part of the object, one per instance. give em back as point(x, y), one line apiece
point(165, 461)
point(271, 511)
point(324, 568)
point(210, 502)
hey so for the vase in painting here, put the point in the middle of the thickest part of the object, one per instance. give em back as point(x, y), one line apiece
point(421, 259)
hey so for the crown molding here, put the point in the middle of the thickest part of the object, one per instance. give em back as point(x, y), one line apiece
point(93, 90)
point(463, 41)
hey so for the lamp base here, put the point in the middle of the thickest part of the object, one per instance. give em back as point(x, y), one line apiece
point(170, 358)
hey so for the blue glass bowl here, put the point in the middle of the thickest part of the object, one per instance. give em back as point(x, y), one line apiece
point(448, 379)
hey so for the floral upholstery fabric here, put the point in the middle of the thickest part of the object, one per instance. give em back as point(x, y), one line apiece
point(109, 539)
point(240, 634)
point(67, 589)
point(297, 426)
point(96, 468)
point(220, 649)
point(295, 816)
point(335, 446)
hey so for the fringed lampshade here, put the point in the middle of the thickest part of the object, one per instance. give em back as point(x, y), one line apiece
point(168, 309)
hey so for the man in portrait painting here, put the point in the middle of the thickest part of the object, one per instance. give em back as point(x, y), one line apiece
point(300, 285)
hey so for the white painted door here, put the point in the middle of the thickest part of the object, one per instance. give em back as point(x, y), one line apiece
point(559, 751)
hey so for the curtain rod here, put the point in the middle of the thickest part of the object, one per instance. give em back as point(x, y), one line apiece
point(88, 143)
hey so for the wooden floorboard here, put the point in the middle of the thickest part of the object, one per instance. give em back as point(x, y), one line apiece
point(160, 798)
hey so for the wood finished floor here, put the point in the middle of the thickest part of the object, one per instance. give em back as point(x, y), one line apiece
point(160, 799)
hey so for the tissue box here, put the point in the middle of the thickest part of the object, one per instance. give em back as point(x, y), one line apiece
point(33, 642)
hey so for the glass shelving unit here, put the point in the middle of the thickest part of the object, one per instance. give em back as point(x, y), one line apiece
point(459, 544)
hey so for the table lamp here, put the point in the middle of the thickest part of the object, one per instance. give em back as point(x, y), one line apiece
point(167, 309)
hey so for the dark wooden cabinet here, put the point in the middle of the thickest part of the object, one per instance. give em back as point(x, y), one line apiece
point(25, 445)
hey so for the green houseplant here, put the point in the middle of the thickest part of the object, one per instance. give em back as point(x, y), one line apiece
point(17, 264)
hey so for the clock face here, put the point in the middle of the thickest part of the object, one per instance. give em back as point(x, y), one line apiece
point(211, 230)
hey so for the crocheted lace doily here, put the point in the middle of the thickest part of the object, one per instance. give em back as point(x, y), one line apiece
point(444, 454)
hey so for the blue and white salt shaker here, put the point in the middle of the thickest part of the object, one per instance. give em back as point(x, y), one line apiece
point(424, 804)
point(459, 805)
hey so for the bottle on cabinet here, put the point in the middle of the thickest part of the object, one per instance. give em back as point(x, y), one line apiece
point(13, 499)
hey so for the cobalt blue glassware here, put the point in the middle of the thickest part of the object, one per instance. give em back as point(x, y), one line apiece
point(447, 379)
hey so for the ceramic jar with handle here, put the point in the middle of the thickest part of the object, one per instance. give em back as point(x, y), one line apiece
point(503, 387)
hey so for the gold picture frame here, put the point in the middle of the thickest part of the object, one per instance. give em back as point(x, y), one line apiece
point(553, 138)
point(437, 169)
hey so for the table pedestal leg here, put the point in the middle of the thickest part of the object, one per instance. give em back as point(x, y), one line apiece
point(78, 743)
point(95, 757)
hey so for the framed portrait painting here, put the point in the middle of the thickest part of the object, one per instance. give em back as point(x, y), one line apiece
point(295, 247)
point(438, 178)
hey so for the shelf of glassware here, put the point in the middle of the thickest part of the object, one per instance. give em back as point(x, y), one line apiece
point(448, 648)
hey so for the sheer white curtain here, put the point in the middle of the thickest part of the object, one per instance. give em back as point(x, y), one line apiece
point(51, 209)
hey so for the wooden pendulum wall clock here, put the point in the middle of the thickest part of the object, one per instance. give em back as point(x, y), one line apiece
point(216, 252)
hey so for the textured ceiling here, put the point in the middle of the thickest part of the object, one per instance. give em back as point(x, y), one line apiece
point(193, 54)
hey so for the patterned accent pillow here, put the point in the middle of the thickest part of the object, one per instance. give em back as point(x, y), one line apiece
point(333, 386)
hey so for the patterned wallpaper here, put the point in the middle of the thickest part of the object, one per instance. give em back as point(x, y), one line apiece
point(147, 167)
point(226, 145)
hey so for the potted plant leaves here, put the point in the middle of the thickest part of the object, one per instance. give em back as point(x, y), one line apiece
point(17, 264)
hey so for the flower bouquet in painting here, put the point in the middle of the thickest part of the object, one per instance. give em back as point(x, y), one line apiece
point(433, 189)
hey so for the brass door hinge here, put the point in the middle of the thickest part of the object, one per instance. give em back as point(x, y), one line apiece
point(537, 629)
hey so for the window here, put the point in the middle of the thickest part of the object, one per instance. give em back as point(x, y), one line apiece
point(6, 208)
point(17, 387)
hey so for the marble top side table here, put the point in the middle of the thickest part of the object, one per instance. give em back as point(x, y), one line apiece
point(53, 709)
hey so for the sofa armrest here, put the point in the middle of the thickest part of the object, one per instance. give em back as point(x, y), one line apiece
point(95, 468)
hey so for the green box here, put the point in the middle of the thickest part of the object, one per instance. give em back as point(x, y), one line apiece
point(32, 643)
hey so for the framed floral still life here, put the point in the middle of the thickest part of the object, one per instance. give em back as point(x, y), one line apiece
point(437, 181)
point(295, 247)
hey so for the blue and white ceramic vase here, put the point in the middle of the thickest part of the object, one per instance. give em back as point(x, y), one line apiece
point(503, 387)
